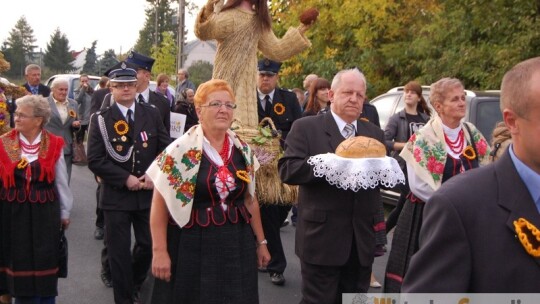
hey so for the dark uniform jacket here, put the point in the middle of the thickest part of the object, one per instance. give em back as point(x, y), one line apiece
point(114, 173)
point(162, 104)
point(43, 90)
point(292, 111)
point(329, 218)
point(97, 99)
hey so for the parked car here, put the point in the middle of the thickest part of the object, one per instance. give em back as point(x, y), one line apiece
point(482, 110)
point(73, 82)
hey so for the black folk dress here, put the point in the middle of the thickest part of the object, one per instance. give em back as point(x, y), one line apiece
point(29, 234)
point(213, 257)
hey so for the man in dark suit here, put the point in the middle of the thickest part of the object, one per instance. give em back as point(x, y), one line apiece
point(335, 240)
point(122, 142)
point(143, 66)
point(99, 95)
point(283, 108)
point(32, 74)
point(33, 85)
point(469, 241)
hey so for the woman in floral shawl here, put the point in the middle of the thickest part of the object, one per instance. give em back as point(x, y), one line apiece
point(444, 147)
point(205, 184)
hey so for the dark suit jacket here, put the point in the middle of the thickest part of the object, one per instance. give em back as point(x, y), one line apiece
point(42, 90)
point(162, 104)
point(97, 99)
point(114, 173)
point(328, 218)
point(292, 112)
point(468, 242)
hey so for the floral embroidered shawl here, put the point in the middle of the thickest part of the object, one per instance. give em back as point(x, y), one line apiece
point(174, 171)
point(426, 150)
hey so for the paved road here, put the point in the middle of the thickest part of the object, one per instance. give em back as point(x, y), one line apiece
point(83, 285)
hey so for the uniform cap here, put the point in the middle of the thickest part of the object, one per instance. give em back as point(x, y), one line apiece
point(122, 72)
point(140, 61)
point(267, 66)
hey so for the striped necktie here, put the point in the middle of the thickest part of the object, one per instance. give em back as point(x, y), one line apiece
point(349, 130)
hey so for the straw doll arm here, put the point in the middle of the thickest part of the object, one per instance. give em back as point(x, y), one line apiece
point(210, 24)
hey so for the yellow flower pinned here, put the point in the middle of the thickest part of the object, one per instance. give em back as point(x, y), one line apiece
point(22, 163)
point(121, 127)
point(243, 175)
point(529, 236)
point(469, 153)
point(72, 113)
point(279, 108)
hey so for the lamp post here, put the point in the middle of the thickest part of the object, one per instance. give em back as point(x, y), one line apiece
point(181, 34)
point(155, 3)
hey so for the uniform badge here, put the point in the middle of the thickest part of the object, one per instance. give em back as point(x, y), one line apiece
point(144, 138)
point(123, 138)
point(119, 148)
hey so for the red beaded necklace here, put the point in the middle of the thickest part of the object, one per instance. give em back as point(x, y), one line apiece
point(457, 145)
point(28, 148)
point(224, 153)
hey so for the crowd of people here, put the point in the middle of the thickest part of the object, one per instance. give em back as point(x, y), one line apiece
point(465, 221)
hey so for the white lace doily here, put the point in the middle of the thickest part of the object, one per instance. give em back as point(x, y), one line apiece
point(357, 173)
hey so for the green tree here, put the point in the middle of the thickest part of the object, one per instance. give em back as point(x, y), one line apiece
point(19, 47)
point(90, 64)
point(107, 61)
point(147, 35)
point(165, 55)
point(57, 54)
point(200, 71)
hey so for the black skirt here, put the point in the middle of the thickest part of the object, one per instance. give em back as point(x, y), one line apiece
point(29, 236)
point(404, 244)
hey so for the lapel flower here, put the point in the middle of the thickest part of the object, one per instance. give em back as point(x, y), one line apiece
point(72, 113)
point(529, 236)
point(469, 153)
point(279, 108)
point(243, 175)
point(22, 164)
point(121, 127)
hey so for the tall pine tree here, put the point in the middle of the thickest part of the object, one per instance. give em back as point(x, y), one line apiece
point(90, 64)
point(57, 54)
point(107, 61)
point(19, 47)
point(147, 36)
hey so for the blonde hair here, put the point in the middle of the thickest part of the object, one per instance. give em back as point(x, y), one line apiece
point(440, 88)
point(500, 140)
point(209, 87)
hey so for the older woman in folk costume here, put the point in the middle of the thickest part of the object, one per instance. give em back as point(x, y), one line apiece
point(242, 28)
point(444, 147)
point(35, 202)
point(205, 222)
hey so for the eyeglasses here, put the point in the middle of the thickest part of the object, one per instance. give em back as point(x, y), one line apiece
point(22, 115)
point(125, 85)
point(217, 104)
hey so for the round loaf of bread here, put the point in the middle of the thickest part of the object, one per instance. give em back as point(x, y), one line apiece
point(361, 147)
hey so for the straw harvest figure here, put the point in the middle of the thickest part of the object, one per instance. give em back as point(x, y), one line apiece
point(241, 28)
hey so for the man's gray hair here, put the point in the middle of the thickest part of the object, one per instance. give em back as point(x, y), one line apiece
point(184, 71)
point(336, 82)
point(31, 67)
point(59, 80)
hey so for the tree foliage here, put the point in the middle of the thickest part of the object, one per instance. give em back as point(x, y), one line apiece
point(90, 64)
point(19, 47)
point(395, 41)
point(147, 35)
point(107, 61)
point(165, 55)
point(57, 56)
point(200, 71)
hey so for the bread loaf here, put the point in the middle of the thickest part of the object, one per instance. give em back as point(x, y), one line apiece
point(361, 147)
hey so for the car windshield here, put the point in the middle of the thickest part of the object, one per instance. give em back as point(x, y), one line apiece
point(487, 116)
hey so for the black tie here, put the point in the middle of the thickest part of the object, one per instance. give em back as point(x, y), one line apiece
point(267, 105)
point(141, 99)
point(129, 118)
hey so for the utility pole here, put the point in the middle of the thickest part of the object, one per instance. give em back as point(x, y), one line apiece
point(181, 34)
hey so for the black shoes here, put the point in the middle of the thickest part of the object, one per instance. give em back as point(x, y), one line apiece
point(98, 234)
point(106, 279)
point(277, 278)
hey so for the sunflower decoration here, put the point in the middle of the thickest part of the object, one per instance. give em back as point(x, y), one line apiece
point(4, 113)
point(243, 175)
point(469, 153)
point(529, 236)
point(279, 108)
point(121, 127)
point(72, 113)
